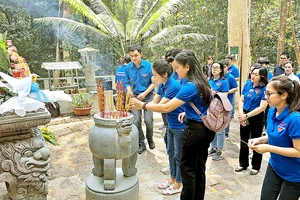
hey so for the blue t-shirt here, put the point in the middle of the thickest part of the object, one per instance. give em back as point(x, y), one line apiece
point(298, 75)
point(234, 71)
point(232, 84)
point(120, 74)
point(169, 91)
point(139, 78)
point(219, 85)
point(187, 93)
point(253, 96)
point(281, 131)
point(270, 75)
point(176, 77)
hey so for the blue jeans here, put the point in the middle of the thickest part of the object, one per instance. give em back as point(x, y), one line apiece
point(148, 119)
point(174, 152)
point(219, 140)
point(274, 186)
point(231, 117)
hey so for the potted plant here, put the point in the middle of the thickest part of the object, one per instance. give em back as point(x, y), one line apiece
point(82, 104)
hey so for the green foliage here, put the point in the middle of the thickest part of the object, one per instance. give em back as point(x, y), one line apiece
point(144, 19)
point(82, 100)
point(4, 58)
point(49, 136)
point(34, 44)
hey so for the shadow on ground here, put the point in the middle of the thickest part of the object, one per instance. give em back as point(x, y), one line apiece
point(71, 163)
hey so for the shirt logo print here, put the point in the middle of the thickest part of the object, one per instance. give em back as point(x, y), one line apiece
point(250, 93)
point(218, 83)
point(144, 75)
point(280, 128)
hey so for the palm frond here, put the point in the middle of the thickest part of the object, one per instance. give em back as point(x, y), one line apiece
point(80, 7)
point(169, 8)
point(74, 26)
point(179, 38)
point(140, 21)
point(71, 25)
point(107, 18)
point(170, 32)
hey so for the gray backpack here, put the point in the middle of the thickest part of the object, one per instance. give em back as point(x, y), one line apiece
point(218, 112)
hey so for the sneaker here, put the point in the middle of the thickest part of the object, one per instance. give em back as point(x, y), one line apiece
point(170, 190)
point(165, 170)
point(217, 156)
point(212, 151)
point(226, 137)
point(162, 127)
point(141, 148)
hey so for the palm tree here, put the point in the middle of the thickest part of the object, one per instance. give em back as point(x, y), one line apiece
point(143, 26)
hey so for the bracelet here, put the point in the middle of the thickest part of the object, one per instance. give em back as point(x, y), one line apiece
point(247, 116)
point(144, 106)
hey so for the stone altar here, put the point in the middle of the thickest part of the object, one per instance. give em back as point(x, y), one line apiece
point(109, 140)
point(24, 156)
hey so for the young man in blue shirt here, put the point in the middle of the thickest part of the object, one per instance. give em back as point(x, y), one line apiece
point(120, 72)
point(232, 69)
point(137, 80)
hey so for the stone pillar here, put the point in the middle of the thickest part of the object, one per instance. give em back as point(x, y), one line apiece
point(24, 156)
point(110, 140)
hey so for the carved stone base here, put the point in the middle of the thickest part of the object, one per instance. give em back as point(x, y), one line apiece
point(127, 188)
point(24, 165)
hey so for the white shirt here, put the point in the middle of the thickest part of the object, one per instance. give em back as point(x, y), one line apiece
point(292, 77)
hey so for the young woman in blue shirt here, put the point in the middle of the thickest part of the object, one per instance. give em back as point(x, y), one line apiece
point(282, 178)
point(251, 116)
point(167, 89)
point(218, 83)
point(196, 136)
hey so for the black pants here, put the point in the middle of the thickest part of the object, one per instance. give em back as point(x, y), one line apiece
point(275, 186)
point(253, 130)
point(195, 142)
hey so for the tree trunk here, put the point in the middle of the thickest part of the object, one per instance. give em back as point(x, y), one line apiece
point(239, 36)
point(296, 45)
point(282, 31)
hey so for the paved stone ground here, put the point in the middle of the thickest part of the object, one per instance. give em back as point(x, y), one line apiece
point(71, 163)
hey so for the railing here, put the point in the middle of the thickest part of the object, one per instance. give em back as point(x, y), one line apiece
point(44, 82)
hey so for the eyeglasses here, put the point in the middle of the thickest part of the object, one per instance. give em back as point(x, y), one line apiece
point(282, 58)
point(217, 68)
point(268, 94)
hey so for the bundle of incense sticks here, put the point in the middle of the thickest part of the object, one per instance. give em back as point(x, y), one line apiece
point(105, 101)
point(120, 97)
point(101, 98)
point(127, 103)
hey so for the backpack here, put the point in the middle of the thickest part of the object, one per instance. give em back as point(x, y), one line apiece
point(218, 112)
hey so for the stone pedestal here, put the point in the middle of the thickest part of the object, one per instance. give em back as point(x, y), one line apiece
point(126, 188)
point(110, 140)
point(24, 156)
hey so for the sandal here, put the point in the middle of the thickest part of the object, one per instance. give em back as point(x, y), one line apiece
point(164, 185)
point(170, 190)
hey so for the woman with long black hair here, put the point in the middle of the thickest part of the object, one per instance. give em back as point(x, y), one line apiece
point(196, 136)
